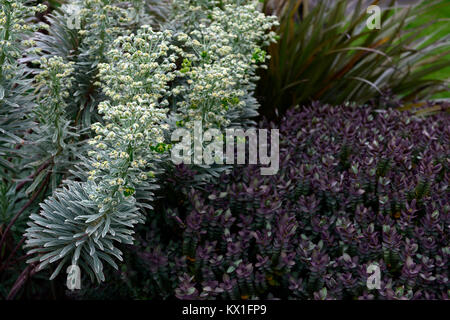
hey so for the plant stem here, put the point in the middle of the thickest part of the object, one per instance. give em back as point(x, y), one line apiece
point(17, 215)
point(12, 254)
point(33, 175)
point(28, 272)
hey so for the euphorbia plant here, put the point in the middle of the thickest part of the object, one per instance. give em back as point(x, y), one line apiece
point(142, 81)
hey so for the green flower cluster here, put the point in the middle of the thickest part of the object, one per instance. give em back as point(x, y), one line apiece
point(54, 83)
point(136, 81)
point(16, 96)
point(222, 55)
point(121, 163)
point(15, 33)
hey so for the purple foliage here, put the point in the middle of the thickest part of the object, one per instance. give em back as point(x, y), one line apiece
point(356, 186)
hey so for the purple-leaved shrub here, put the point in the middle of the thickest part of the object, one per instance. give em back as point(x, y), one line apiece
point(356, 186)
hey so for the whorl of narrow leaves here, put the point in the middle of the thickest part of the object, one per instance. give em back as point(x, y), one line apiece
point(69, 229)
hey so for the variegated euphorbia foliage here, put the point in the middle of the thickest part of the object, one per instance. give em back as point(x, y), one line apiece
point(205, 74)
